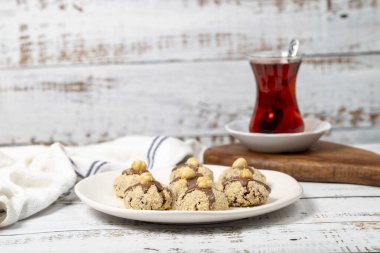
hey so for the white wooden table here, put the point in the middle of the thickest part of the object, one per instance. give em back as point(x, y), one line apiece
point(328, 218)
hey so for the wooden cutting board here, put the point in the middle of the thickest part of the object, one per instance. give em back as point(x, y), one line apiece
point(323, 162)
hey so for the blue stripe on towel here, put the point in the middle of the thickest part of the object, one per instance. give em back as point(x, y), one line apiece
point(76, 169)
point(78, 174)
point(99, 167)
point(149, 154)
point(163, 138)
point(91, 168)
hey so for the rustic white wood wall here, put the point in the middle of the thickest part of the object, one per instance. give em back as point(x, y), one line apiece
point(88, 71)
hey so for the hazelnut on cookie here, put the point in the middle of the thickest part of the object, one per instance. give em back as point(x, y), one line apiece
point(129, 177)
point(234, 171)
point(191, 164)
point(186, 178)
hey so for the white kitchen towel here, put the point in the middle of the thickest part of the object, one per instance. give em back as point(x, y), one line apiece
point(33, 177)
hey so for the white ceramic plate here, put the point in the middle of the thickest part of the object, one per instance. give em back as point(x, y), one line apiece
point(96, 191)
point(277, 143)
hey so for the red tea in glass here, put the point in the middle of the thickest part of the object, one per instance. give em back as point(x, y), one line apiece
point(276, 109)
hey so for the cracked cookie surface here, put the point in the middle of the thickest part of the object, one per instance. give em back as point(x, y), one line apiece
point(201, 196)
point(148, 196)
point(243, 185)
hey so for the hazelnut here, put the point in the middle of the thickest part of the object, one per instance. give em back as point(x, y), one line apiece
point(240, 162)
point(192, 161)
point(204, 182)
point(246, 173)
point(187, 173)
point(139, 166)
point(146, 177)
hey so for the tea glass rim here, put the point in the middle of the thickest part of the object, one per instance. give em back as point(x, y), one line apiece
point(274, 55)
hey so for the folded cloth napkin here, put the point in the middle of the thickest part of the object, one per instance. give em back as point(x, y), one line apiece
point(33, 177)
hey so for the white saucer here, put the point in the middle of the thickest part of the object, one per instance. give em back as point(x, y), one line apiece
point(96, 191)
point(277, 143)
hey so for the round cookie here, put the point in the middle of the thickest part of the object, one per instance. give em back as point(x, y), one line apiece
point(148, 194)
point(239, 165)
point(193, 164)
point(243, 190)
point(128, 178)
point(201, 196)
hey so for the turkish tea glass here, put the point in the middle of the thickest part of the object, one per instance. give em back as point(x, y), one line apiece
point(276, 109)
